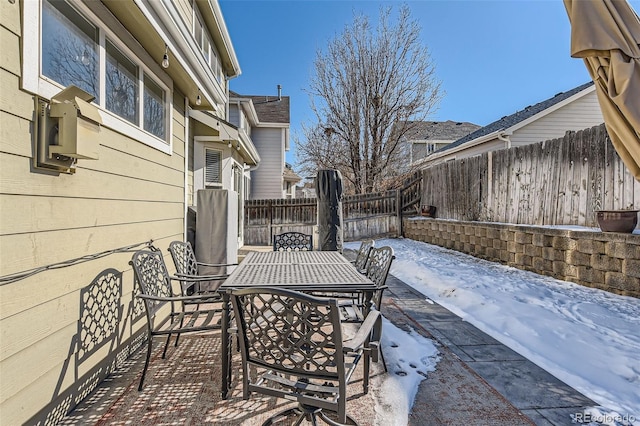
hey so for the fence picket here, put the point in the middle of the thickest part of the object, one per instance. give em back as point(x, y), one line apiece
point(555, 182)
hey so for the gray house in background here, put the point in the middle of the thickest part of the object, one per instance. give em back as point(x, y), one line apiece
point(573, 110)
point(266, 120)
point(426, 137)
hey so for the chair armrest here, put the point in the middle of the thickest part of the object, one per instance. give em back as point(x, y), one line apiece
point(216, 264)
point(169, 298)
point(373, 322)
point(198, 278)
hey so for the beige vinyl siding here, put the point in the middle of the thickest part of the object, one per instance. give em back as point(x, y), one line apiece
point(131, 194)
point(185, 8)
point(266, 180)
point(476, 150)
point(580, 114)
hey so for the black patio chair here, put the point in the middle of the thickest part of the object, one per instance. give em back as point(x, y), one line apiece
point(362, 256)
point(377, 269)
point(292, 241)
point(166, 311)
point(187, 266)
point(293, 347)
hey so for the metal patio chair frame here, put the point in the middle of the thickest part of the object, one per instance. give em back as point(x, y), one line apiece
point(362, 256)
point(184, 259)
point(377, 270)
point(292, 241)
point(292, 347)
point(156, 291)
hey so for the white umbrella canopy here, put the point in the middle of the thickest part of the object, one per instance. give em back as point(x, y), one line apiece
point(606, 34)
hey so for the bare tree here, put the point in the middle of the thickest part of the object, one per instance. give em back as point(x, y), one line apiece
point(368, 88)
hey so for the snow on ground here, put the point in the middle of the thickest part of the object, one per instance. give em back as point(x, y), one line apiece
point(588, 338)
point(409, 357)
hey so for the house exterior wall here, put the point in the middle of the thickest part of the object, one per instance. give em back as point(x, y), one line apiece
point(230, 158)
point(185, 8)
point(487, 146)
point(266, 180)
point(238, 118)
point(577, 115)
point(133, 193)
point(420, 149)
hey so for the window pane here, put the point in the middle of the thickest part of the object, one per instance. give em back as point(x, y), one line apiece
point(121, 85)
point(198, 33)
point(213, 172)
point(154, 108)
point(205, 49)
point(69, 47)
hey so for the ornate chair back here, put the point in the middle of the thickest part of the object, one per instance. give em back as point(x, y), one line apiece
point(292, 347)
point(292, 241)
point(183, 257)
point(153, 280)
point(363, 254)
point(378, 269)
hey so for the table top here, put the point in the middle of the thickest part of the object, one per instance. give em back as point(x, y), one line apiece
point(312, 271)
point(295, 257)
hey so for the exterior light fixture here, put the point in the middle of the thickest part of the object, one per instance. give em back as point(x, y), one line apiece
point(165, 58)
point(198, 98)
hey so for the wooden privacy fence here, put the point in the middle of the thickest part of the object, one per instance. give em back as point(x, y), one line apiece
point(557, 182)
point(364, 216)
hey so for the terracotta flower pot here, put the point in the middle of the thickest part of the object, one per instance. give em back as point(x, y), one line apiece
point(617, 220)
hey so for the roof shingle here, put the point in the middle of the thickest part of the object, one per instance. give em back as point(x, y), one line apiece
point(513, 119)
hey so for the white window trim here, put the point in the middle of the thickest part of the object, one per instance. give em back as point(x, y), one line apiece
point(33, 81)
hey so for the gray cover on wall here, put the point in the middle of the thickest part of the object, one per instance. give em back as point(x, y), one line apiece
point(211, 228)
point(329, 193)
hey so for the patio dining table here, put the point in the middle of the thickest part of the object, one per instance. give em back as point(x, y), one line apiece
point(305, 271)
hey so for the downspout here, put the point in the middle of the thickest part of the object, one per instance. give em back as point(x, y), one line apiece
point(504, 137)
point(186, 168)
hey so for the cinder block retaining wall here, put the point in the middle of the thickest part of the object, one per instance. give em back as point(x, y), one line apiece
point(608, 261)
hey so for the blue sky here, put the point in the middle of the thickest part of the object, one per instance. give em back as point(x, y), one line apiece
point(493, 57)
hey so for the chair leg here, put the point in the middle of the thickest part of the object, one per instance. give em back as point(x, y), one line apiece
point(384, 363)
point(166, 345)
point(146, 363)
point(366, 365)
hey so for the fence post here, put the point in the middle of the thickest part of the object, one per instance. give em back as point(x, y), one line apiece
point(399, 211)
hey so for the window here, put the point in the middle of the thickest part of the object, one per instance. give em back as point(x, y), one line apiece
point(121, 85)
point(203, 39)
point(154, 111)
point(72, 47)
point(212, 167)
point(69, 48)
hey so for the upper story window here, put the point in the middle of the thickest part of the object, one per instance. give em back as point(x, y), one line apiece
point(74, 48)
point(203, 38)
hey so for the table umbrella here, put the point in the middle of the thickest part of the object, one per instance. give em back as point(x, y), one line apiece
point(606, 34)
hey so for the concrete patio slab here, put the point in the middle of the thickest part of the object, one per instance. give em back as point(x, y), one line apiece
point(473, 367)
